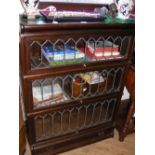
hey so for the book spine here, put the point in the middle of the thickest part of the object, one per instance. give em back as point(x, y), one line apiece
point(106, 54)
point(106, 49)
point(89, 54)
point(79, 55)
point(57, 52)
point(116, 53)
point(46, 56)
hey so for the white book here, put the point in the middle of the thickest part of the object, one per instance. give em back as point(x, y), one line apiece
point(106, 54)
point(46, 92)
point(105, 44)
point(67, 56)
point(115, 53)
point(77, 55)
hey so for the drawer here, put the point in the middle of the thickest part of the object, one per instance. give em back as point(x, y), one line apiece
point(64, 89)
point(73, 119)
point(75, 141)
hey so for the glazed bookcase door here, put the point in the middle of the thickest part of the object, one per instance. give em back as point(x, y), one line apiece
point(63, 89)
point(74, 118)
point(58, 51)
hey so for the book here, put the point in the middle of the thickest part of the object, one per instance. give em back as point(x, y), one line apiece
point(50, 49)
point(93, 57)
point(61, 54)
point(105, 48)
point(101, 46)
point(65, 62)
point(47, 94)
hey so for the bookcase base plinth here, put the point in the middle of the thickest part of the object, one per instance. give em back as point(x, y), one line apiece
point(73, 142)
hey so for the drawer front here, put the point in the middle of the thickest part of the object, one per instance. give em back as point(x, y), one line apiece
point(73, 119)
point(64, 89)
point(75, 141)
point(62, 50)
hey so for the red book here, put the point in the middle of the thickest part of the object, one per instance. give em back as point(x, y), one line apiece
point(89, 54)
point(92, 57)
point(105, 46)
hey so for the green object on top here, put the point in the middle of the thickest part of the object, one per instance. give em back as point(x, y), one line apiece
point(37, 19)
point(118, 20)
point(41, 19)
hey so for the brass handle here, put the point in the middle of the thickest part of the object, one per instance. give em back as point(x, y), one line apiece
point(84, 65)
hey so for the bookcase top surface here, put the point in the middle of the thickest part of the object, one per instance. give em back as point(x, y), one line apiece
point(36, 25)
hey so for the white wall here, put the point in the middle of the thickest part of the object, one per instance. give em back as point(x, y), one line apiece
point(21, 9)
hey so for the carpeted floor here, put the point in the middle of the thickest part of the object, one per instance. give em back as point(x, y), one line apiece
point(110, 146)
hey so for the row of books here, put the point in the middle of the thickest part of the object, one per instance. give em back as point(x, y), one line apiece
point(94, 51)
point(59, 53)
point(91, 56)
point(102, 50)
point(48, 95)
point(105, 48)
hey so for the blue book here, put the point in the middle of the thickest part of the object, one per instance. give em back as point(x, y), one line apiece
point(50, 50)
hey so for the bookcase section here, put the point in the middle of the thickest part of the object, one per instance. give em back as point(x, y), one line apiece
point(73, 119)
point(60, 52)
point(61, 89)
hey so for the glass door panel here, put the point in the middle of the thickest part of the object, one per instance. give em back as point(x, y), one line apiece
point(74, 119)
point(47, 53)
point(70, 87)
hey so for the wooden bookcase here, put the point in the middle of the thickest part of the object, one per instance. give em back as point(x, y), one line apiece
point(63, 110)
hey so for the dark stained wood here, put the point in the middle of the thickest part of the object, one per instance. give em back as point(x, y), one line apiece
point(96, 29)
point(70, 142)
point(122, 113)
point(22, 138)
point(70, 104)
point(27, 26)
point(45, 31)
point(128, 122)
point(22, 141)
point(75, 68)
